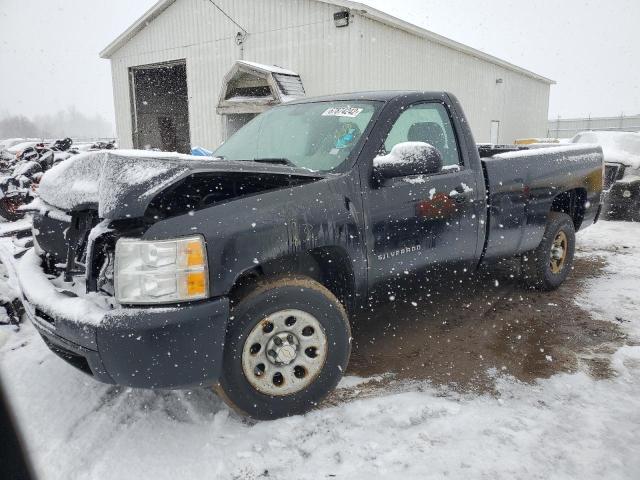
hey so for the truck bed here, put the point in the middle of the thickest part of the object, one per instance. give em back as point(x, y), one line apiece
point(522, 186)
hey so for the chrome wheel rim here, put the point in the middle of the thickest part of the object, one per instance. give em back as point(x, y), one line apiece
point(284, 353)
point(559, 252)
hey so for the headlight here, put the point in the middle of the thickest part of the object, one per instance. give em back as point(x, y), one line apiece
point(166, 271)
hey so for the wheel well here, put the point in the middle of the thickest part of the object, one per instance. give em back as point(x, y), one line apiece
point(571, 202)
point(329, 266)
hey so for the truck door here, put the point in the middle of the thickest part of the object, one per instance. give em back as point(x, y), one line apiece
point(417, 221)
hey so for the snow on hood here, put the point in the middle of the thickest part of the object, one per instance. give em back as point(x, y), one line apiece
point(122, 183)
point(618, 147)
point(105, 178)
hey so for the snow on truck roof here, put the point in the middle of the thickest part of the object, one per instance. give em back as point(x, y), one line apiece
point(355, 7)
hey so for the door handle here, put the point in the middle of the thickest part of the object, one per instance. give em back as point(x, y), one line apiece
point(461, 193)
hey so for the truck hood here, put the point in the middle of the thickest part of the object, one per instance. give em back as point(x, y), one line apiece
point(122, 183)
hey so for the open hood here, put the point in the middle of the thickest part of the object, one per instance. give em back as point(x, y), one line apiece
point(122, 183)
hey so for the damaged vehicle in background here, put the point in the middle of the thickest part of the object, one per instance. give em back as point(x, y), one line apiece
point(622, 171)
point(18, 185)
point(241, 271)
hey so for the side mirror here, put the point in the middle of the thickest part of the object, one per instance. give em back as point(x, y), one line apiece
point(406, 159)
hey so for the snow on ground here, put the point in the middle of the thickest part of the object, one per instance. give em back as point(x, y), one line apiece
point(567, 426)
point(10, 228)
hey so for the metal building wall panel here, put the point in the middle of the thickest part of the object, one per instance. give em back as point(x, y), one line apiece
point(300, 35)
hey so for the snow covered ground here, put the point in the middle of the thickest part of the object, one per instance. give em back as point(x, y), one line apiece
point(567, 426)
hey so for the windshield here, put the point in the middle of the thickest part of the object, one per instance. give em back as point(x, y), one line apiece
point(316, 136)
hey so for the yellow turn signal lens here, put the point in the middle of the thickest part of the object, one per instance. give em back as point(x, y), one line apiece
point(195, 254)
point(196, 284)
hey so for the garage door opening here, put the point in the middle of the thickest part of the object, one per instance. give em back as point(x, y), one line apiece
point(160, 107)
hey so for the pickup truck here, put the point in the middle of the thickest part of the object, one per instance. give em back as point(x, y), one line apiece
point(241, 271)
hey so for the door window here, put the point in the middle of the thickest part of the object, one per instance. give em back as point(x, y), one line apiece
point(429, 123)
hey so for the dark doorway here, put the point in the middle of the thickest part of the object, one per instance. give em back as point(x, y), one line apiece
point(160, 107)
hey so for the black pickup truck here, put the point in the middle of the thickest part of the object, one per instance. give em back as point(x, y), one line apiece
point(241, 271)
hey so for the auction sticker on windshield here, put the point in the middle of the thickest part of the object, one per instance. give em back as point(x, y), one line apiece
point(351, 112)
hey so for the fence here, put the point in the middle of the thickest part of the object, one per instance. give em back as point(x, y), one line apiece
point(568, 127)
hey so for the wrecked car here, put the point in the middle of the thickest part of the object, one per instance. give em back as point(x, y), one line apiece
point(622, 171)
point(18, 186)
point(241, 271)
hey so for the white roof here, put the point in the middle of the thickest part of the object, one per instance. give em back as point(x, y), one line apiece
point(355, 7)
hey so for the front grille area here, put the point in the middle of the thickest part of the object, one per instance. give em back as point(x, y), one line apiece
point(611, 174)
point(47, 318)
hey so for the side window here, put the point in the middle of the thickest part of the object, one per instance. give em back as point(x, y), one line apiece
point(429, 123)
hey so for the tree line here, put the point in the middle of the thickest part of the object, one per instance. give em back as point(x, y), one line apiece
point(67, 123)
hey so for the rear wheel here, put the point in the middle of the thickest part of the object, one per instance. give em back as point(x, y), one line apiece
point(548, 266)
point(287, 346)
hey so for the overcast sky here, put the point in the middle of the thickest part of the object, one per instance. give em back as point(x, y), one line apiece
point(49, 49)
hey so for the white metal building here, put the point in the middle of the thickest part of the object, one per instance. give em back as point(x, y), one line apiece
point(172, 67)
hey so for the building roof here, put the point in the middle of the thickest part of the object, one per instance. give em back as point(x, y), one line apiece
point(355, 7)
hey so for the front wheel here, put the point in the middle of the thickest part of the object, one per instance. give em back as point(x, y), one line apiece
point(287, 346)
point(548, 266)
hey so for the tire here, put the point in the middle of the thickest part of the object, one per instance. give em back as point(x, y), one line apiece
point(541, 268)
point(255, 381)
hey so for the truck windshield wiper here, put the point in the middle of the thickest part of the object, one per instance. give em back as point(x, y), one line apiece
point(277, 161)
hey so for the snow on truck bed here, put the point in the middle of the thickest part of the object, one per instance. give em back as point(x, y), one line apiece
point(568, 152)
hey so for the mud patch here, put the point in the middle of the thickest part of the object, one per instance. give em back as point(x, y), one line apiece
point(464, 330)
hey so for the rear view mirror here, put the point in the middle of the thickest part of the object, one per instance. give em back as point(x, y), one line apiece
point(406, 159)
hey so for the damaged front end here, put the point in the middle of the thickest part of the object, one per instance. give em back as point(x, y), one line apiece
point(81, 240)
point(69, 279)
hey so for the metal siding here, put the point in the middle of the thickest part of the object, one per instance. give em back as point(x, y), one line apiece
point(300, 35)
point(394, 59)
point(568, 127)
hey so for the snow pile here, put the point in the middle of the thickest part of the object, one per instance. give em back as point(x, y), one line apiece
point(8, 229)
point(618, 147)
point(616, 295)
point(41, 291)
point(7, 292)
point(24, 168)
